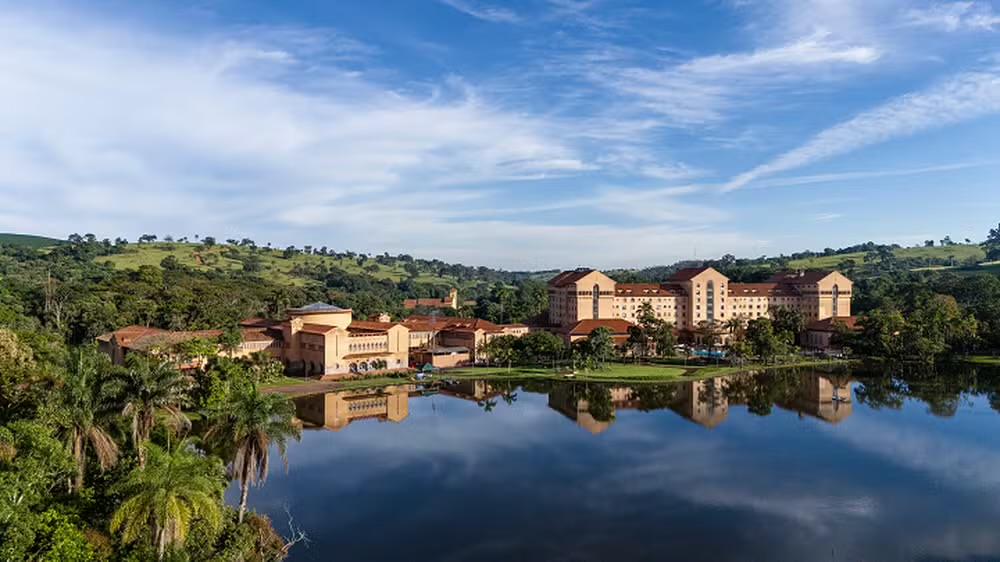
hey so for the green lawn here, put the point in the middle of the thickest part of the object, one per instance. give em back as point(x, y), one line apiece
point(960, 251)
point(614, 372)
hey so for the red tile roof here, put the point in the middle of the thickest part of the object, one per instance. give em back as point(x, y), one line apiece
point(762, 290)
point(130, 333)
point(584, 327)
point(428, 302)
point(569, 277)
point(648, 290)
point(445, 323)
point(317, 328)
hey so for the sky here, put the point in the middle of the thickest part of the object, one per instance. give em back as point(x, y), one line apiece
point(526, 134)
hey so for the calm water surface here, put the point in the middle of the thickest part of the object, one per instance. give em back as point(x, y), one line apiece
point(780, 466)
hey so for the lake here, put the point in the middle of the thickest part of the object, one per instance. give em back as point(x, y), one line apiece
point(776, 466)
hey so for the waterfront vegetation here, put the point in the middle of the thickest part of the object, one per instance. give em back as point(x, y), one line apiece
point(100, 462)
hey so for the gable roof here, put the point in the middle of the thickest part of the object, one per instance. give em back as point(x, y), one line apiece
point(569, 277)
point(688, 273)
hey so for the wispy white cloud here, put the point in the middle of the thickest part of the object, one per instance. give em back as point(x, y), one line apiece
point(955, 16)
point(834, 177)
point(965, 96)
point(705, 89)
point(827, 217)
point(482, 11)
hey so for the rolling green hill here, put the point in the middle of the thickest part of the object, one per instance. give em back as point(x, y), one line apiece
point(274, 266)
point(27, 240)
point(961, 252)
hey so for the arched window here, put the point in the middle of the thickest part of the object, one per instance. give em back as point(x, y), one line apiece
point(836, 298)
point(597, 301)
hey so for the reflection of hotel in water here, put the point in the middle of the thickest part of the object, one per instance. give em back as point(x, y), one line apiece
point(703, 402)
point(706, 402)
point(334, 410)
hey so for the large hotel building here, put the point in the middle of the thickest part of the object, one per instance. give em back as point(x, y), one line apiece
point(693, 299)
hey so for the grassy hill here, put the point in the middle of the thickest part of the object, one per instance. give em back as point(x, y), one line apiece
point(961, 252)
point(275, 267)
point(27, 240)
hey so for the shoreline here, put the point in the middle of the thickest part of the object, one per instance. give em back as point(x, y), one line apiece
point(670, 374)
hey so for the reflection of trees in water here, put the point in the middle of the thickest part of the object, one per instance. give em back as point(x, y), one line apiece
point(507, 391)
point(655, 396)
point(942, 389)
point(762, 390)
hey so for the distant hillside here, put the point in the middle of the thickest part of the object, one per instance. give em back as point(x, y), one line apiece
point(274, 266)
point(27, 240)
point(960, 252)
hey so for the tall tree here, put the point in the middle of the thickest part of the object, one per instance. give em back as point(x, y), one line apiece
point(78, 411)
point(145, 387)
point(601, 344)
point(992, 245)
point(166, 497)
point(251, 422)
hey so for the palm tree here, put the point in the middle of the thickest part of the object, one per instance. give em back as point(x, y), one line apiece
point(79, 408)
point(172, 491)
point(503, 294)
point(145, 387)
point(735, 327)
point(249, 423)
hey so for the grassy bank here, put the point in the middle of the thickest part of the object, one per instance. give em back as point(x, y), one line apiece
point(625, 373)
point(614, 373)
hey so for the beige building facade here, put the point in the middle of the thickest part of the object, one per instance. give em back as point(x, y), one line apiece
point(315, 340)
point(697, 297)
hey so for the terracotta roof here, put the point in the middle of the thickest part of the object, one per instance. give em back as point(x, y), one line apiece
point(829, 324)
point(448, 323)
point(648, 290)
point(259, 334)
point(129, 333)
point(810, 277)
point(516, 325)
point(569, 277)
point(429, 302)
point(761, 290)
point(317, 328)
point(584, 327)
point(164, 338)
point(688, 273)
point(370, 325)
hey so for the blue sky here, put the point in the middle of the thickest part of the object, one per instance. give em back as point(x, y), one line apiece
point(523, 134)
